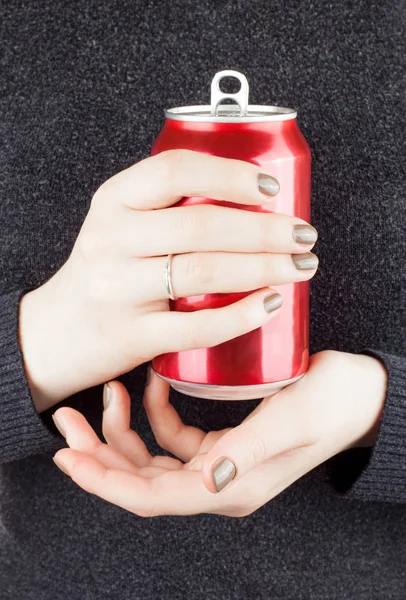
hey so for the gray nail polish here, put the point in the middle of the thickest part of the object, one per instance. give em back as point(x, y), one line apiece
point(106, 396)
point(268, 185)
point(273, 302)
point(304, 234)
point(305, 262)
point(223, 473)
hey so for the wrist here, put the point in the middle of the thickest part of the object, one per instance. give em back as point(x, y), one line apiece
point(44, 331)
point(372, 400)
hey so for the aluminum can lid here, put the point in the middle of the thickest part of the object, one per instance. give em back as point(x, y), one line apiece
point(240, 112)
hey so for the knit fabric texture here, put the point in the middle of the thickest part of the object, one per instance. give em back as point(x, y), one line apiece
point(83, 88)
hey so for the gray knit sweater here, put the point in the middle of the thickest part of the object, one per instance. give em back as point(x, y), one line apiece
point(83, 85)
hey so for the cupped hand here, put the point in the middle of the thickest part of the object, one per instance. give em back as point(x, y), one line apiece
point(335, 406)
point(106, 310)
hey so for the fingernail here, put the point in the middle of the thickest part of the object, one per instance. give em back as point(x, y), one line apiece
point(61, 466)
point(304, 234)
point(58, 425)
point(305, 262)
point(223, 473)
point(273, 302)
point(268, 185)
point(106, 396)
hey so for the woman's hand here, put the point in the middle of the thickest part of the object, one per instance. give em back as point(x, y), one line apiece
point(107, 311)
point(335, 406)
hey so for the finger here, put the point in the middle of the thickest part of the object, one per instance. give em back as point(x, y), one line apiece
point(267, 480)
point(173, 493)
point(116, 425)
point(276, 429)
point(80, 436)
point(160, 181)
point(207, 327)
point(221, 272)
point(196, 462)
point(184, 495)
point(169, 430)
point(206, 227)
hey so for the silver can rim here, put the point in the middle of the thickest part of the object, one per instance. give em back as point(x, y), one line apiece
point(228, 392)
point(256, 113)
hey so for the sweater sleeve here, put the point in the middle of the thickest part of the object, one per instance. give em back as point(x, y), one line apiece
point(22, 430)
point(380, 473)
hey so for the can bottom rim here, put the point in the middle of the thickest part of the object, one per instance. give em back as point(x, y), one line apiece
point(228, 392)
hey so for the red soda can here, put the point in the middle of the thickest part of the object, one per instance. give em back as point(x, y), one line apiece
point(262, 362)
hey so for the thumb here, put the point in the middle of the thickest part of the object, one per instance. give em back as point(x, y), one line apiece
point(273, 428)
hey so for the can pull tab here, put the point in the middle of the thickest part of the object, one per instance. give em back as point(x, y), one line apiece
point(240, 97)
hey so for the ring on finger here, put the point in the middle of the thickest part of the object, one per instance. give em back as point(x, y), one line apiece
point(168, 277)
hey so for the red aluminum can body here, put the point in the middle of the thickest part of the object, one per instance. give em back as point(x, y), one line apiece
point(265, 360)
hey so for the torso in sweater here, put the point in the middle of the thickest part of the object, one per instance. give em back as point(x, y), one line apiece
point(84, 87)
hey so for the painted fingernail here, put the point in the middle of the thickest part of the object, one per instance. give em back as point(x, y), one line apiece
point(223, 472)
point(273, 302)
point(61, 466)
point(305, 262)
point(106, 396)
point(59, 425)
point(304, 234)
point(268, 185)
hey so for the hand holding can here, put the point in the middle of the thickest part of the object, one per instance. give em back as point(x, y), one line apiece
point(106, 310)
